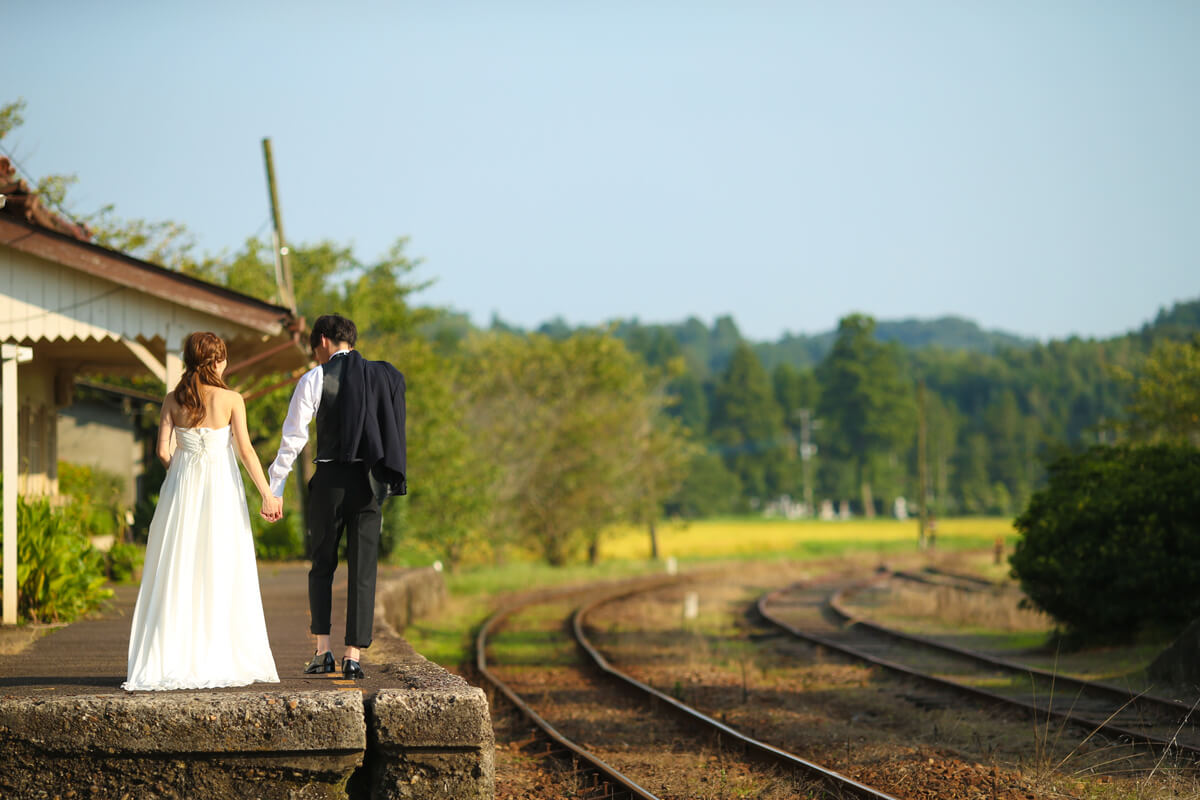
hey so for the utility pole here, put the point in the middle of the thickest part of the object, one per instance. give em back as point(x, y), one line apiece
point(287, 296)
point(922, 470)
point(283, 267)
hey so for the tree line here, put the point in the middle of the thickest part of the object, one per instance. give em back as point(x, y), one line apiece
point(540, 440)
point(995, 409)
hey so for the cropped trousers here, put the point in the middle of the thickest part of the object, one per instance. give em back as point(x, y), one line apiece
point(340, 501)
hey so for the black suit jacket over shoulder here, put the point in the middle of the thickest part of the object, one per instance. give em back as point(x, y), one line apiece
point(372, 415)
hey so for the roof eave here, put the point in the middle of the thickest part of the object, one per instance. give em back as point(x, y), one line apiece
point(142, 276)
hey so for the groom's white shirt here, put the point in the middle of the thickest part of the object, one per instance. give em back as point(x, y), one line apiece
point(302, 408)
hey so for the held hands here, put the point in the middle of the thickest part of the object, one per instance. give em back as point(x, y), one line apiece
point(272, 508)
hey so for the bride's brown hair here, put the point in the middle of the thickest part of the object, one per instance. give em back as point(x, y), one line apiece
point(201, 354)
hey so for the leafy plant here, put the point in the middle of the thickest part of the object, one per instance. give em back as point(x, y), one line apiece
point(125, 562)
point(96, 495)
point(60, 576)
point(279, 541)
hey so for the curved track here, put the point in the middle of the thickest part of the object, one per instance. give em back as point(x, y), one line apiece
point(1160, 723)
point(606, 779)
point(610, 781)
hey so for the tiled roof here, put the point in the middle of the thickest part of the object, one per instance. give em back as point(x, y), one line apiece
point(22, 201)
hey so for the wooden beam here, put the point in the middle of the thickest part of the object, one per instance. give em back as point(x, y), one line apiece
point(156, 367)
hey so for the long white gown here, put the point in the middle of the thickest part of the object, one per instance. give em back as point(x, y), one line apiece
point(199, 621)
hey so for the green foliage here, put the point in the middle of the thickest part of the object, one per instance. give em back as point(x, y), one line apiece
point(570, 427)
point(283, 540)
point(166, 243)
point(867, 406)
point(97, 497)
point(10, 117)
point(60, 576)
point(1166, 402)
point(709, 489)
point(125, 562)
point(747, 426)
point(449, 502)
point(1112, 543)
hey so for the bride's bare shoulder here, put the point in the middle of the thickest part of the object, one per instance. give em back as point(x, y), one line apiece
point(231, 396)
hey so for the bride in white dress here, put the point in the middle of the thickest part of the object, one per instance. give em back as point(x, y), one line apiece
point(199, 621)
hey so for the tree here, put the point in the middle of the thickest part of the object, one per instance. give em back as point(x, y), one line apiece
point(1166, 402)
point(447, 507)
point(570, 422)
point(660, 452)
point(689, 403)
point(708, 489)
point(747, 425)
point(867, 406)
point(942, 423)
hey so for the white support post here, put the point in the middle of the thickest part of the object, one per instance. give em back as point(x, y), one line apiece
point(173, 362)
point(10, 356)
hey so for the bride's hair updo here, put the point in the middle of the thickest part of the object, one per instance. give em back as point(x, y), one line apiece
point(201, 355)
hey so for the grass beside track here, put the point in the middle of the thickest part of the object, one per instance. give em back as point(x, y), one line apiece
point(474, 590)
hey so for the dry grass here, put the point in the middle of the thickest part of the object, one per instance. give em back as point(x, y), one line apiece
point(991, 609)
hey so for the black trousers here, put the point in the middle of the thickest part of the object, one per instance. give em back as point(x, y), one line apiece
point(340, 501)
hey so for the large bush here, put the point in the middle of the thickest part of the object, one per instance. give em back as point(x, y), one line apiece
point(1112, 543)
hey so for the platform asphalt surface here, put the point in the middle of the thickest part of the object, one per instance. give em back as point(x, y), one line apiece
point(89, 656)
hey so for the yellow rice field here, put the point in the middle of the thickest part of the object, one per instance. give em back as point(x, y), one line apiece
point(743, 537)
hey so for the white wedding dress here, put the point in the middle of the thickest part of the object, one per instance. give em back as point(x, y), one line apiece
point(199, 621)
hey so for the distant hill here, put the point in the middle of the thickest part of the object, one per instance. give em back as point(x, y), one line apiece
point(947, 333)
point(708, 348)
point(1181, 321)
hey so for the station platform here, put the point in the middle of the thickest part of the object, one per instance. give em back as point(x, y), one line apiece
point(410, 729)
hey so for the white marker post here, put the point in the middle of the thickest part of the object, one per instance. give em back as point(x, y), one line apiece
point(10, 355)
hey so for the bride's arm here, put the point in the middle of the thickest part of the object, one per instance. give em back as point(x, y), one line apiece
point(245, 450)
point(166, 428)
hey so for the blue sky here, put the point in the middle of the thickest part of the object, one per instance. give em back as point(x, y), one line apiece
point(1030, 165)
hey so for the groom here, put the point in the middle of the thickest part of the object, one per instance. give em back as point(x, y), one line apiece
point(361, 452)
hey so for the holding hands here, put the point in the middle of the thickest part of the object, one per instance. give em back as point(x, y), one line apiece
point(272, 508)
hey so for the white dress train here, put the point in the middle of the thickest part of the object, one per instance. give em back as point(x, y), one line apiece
point(199, 621)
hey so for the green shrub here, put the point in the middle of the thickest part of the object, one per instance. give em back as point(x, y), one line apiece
point(1112, 543)
point(278, 541)
point(125, 562)
point(96, 495)
point(59, 574)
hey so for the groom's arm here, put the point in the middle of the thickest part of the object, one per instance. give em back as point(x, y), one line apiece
point(303, 406)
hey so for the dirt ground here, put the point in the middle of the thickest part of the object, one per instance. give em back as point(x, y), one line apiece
point(890, 734)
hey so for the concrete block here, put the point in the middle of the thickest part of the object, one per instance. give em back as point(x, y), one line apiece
point(416, 775)
point(432, 740)
point(411, 596)
point(211, 745)
point(188, 723)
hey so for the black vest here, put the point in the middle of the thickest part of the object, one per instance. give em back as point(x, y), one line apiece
point(329, 423)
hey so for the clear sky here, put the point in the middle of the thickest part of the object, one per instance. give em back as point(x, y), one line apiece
point(1033, 165)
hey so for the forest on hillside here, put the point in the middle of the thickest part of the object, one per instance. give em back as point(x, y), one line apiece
point(996, 407)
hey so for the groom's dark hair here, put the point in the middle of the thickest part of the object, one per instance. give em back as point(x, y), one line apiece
point(335, 328)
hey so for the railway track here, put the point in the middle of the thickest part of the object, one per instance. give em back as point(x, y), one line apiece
point(820, 616)
point(600, 777)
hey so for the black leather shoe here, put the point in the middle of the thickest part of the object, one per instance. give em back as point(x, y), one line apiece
point(321, 663)
point(351, 669)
